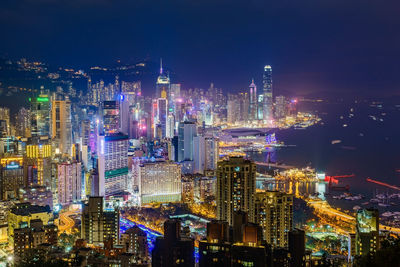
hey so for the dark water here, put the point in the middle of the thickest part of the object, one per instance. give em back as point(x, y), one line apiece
point(368, 148)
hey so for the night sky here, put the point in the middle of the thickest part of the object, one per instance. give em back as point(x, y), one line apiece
point(324, 46)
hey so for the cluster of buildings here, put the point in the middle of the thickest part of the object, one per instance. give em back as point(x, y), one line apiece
point(114, 147)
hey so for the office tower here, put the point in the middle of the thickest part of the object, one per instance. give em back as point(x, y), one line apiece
point(160, 182)
point(174, 98)
point(37, 162)
point(32, 236)
point(236, 186)
point(232, 109)
point(260, 105)
point(23, 123)
point(244, 106)
point(173, 249)
point(161, 115)
point(99, 224)
point(297, 247)
point(367, 231)
point(163, 83)
point(69, 177)
point(111, 117)
point(267, 93)
point(211, 153)
point(253, 101)
point(281, 107)
point(125, 116)
point(5, 117)
point(11, 178)
point(199, 154)
point(40, 115)
point(134, 241)
point(61, 128)
point(113, 163)
point(22, 214)
point(351, 251)
point(170, 131)
point(85, 143)
point(186, 132)
point(274, 213)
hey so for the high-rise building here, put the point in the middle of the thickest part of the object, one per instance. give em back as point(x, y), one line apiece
point(367, 231)
point(281, 107)
point(111, 117)
point(211, 153)
point(40, 115)
point(61, 128)
point(37, 162)
point(163, 83)
point(173, 249)
point(186, 132)
point(199, 154)
point(99, 224)
point(161, 116)
point(160, 182)
point(134, 241)
point(170, 129)
point(113, 163)
point(69, 177)
point(236, 187)
point(232, 109)
point(244, 107)
point(267, 93)
point(253, 101)
point(11, 177)
point(5, 117)
point(23, 123)
point(274, 213)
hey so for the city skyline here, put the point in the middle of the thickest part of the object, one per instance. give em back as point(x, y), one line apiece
point(341, 53)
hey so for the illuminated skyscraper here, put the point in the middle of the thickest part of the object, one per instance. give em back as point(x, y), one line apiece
point(38, 162)
point(211, 153)
point(281, 107)
point(236, 186)
point(367, 231)
point(40, 115)
point(61, 129)
point(160, 182)
point(5, 116)
point(163, 83)
point(111, 117)
point(170, 130)
point(11, 177)
point(113, 164)
point(274, 213)
point(253, 101)
point(267, 93)
point(23, 123)
point(69, 177)
point(186, 132)
point(161, 119)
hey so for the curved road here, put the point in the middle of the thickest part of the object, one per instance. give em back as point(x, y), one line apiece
point(65, 222)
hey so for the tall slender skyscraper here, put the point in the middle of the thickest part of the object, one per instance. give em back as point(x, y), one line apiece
point(236, 186)
point(253, 101)
point(69, 176)
point(40, 114)
point(267, 93)
point(111, 117)
point(163, 83)
point(61, 128)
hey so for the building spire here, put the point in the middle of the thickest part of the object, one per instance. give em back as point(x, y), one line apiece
point(161, 69)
